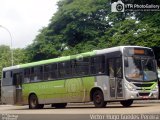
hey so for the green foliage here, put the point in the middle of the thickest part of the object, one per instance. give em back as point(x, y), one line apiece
point(135, 32)
point(77, 23)
point(19, 57)
point(85, 25)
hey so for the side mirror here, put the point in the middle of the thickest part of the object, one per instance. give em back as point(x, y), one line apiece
point(157, 69)
point(155, 62)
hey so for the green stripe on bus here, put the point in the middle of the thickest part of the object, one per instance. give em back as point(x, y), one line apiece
point(150, 88)
point(60, 59)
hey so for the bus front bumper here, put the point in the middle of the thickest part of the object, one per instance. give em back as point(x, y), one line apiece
point(141, 95)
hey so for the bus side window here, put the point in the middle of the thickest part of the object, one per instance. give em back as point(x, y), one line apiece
point(53, 74)
point(32, 74)
point(64, 69)
point(68, 70)
point(38, 73)
point(81, 66)
point(74, 65)
point(93, 65)
point(101, 64)
point(26, 75)
point(46, 72)
point(78, 67)
point(85, 66)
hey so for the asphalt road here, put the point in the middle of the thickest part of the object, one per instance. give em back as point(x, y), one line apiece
point(113, 111)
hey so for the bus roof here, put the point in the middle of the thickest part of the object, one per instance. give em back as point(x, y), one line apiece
point(119, 48)
point(49, 61)
point(65, 58)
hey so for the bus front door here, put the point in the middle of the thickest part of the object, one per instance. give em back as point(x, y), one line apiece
point(115, 78)
point(18, 85)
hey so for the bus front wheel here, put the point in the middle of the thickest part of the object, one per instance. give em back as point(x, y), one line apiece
point(98, 99)
point(127, 103)
point(33, 102)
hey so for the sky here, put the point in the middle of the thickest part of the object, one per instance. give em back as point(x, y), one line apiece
point(23, 19)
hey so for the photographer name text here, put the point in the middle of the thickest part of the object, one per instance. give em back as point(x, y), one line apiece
point(9, 117)
point(124, 117)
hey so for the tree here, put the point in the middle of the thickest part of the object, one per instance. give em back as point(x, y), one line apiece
point(72, 26)
point(85, 25)
point(19, 57)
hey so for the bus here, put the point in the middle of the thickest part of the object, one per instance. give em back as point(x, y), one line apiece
point(118, 74)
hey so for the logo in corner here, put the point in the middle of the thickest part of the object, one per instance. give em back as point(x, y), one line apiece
point(117, 6)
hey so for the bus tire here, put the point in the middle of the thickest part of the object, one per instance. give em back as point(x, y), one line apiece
point(127, 103)
point(98, 99)
point(40, 106)
point(33, 102)
point(59, 105)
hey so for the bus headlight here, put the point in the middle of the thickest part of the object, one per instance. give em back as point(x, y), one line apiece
point(130, 87)
point(155, 88)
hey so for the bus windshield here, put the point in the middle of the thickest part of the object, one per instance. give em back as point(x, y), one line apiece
point(139, 64)
point(140, 68)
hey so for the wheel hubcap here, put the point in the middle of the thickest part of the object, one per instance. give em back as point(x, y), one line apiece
point(98, 99)
point(33, 102)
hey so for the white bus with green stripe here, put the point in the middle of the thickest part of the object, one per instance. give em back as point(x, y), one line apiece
point(123, 74)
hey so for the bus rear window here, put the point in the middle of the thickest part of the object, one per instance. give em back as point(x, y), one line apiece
point(4, 74)
point(7, 78)
point(7, 74)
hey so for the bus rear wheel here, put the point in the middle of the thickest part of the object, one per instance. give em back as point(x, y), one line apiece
point(127, 103)
point(98, 99)
point(59, 105)
point(33, 102)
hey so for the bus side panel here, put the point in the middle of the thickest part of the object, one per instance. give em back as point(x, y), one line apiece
point(78, 89)
point(89, 83)
point(47, 92)
point(55, 91)
point(69, 90)
point(35, 88)
point(60, 91)
point(25, 93)
point(74, 89)
point(103, 83)
point(8, 94)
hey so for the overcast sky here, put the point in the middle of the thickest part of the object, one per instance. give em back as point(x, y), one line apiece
point(24, 18)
